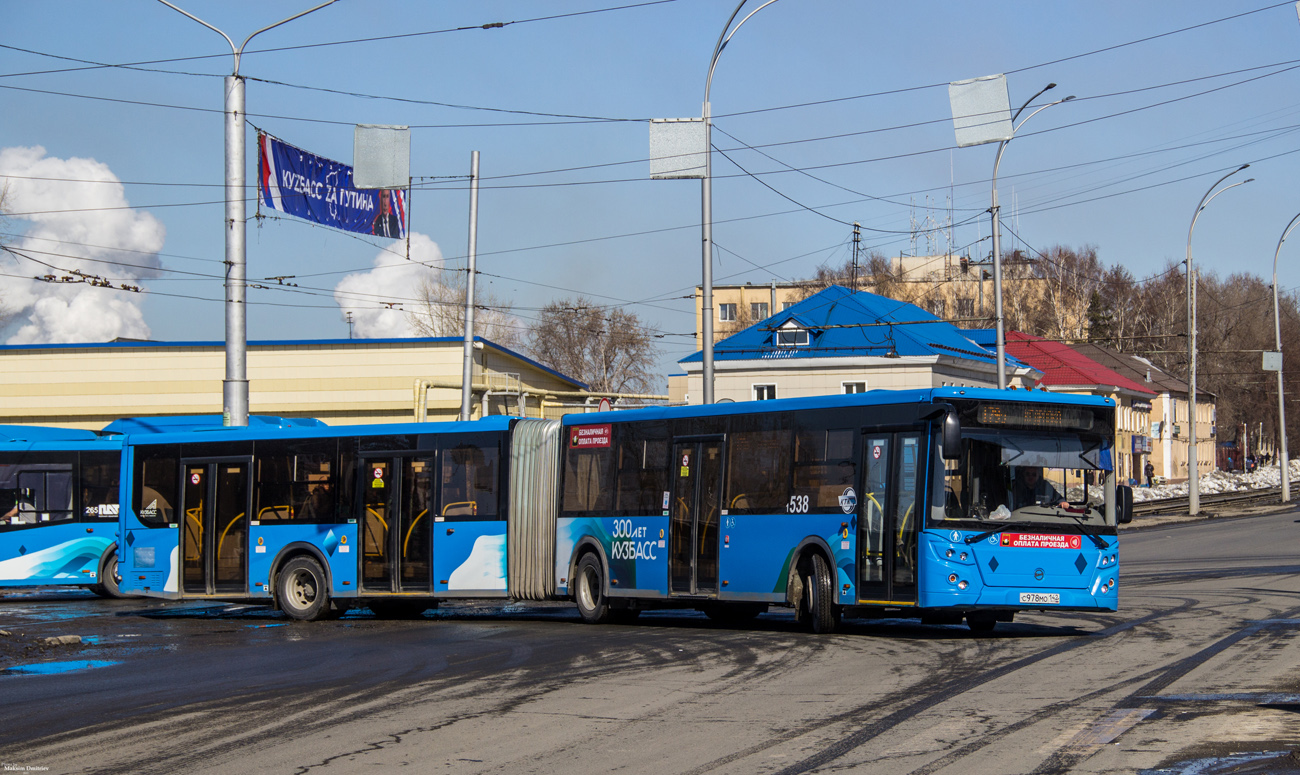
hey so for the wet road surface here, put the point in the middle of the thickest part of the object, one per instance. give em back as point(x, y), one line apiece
point(1199, 672)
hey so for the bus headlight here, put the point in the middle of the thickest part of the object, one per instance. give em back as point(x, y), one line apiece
point(949, 554)
point(963, 557)
point(952, 578)
point(962, 585)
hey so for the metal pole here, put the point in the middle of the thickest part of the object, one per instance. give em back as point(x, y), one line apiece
point(706, 197)
point(467, 373)
point(234, 388)
point(1283, 460)
point(997, 235)
point(1193, 474)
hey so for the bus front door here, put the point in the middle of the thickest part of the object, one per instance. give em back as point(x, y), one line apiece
point(214, 532)
point(395, 543)
point(889, 511)
point(696, 511)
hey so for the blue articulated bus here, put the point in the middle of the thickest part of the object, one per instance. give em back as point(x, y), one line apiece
point(943, 504)
point(58, 508)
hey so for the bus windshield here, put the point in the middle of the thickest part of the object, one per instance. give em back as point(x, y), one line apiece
point(1024, 476)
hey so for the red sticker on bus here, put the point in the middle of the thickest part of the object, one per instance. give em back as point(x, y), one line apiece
point(585, 436)
point(1039, 541)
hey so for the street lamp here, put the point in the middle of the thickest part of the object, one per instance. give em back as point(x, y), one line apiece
point(234, 389)
point(1283, 459)
point(997, 232)
point(706, 195)
point(1193, 475)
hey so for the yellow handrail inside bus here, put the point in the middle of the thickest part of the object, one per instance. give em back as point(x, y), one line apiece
point(411, 529)
point(285, 509)
point(736, 500)
point(473, 507)
point(222, 540)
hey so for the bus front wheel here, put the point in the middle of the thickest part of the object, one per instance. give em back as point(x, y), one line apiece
point(589, 592)
point(302, 591)
point(825, 614)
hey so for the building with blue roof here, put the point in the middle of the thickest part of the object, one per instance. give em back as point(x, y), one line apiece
point(844, 341)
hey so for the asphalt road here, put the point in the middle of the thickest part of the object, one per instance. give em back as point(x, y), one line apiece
point(1199, 672)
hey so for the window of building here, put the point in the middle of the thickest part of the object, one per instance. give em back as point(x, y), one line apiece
point(788, 304)
point(848, 388)
point(727, 313)
point(764, 392)
point(936, 307)
point(758, 310)
point(965, 308)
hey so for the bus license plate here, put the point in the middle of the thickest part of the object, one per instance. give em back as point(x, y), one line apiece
point(1040, 598)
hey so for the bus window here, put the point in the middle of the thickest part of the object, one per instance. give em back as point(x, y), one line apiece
point(823, 467)
point(99, 480)
point(642, 473)
point(758, 469)
point(155, 484)
point(470, 480)
point(36, 493)
point(588, 479)
point(295, 481)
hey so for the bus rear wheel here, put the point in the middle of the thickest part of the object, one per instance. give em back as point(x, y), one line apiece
point(301, 590)
point(825, 614)
point(109, 581)
point(589, 590)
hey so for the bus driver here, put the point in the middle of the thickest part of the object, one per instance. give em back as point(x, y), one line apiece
point(1031, 489)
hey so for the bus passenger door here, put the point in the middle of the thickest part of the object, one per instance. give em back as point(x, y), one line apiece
point(889, 516)
point(694, 520)
point(214, 534)
point(469, 527)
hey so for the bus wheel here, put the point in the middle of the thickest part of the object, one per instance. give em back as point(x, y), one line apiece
point(301, 590)
point(589, 594)
point(980, 624)
point(825, 614)
point(399, 609)
point(109, 582)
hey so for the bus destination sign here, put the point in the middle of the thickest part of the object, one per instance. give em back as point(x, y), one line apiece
point(1035, 416)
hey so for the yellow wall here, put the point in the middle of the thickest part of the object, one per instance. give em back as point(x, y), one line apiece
point(340, 382)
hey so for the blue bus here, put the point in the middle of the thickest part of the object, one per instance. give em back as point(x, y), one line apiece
point(943, 504)
point(59, 508)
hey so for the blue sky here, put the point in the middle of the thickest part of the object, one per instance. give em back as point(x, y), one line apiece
point(1170, 95)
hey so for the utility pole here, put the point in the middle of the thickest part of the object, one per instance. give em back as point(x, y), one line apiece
point(467, 373)
point(234, 389)
point(857, 245)
point(349, 325)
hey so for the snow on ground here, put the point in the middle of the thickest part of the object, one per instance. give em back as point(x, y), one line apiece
point(1221, 481)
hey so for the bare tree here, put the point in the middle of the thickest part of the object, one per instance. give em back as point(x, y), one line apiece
point(440, 311)
point(610, 349)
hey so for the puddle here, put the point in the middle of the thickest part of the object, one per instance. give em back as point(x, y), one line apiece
point(57, 668)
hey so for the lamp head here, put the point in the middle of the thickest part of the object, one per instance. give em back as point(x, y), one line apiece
point(1049, 86)
point(1067, 99)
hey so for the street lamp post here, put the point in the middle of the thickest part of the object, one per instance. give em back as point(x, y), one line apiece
point(706, 196)
point(997, 233)
point(1283, 460)
point(1193, 475)
point(234, 390)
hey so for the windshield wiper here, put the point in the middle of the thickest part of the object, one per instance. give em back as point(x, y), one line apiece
point(1097, 541)
point(1000, 528)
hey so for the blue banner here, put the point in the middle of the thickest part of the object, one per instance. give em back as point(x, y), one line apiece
point(299, 183)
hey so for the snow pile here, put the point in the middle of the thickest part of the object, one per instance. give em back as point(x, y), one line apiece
point(1221, 481)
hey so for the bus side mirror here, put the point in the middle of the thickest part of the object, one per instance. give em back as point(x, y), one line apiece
point(1123, 504)
point(951, 436)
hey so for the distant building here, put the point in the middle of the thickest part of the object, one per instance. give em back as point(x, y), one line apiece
point(1066, 370)
point(841, 341)
point(1168, 431)
point(340, 381)
point(737, 307)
